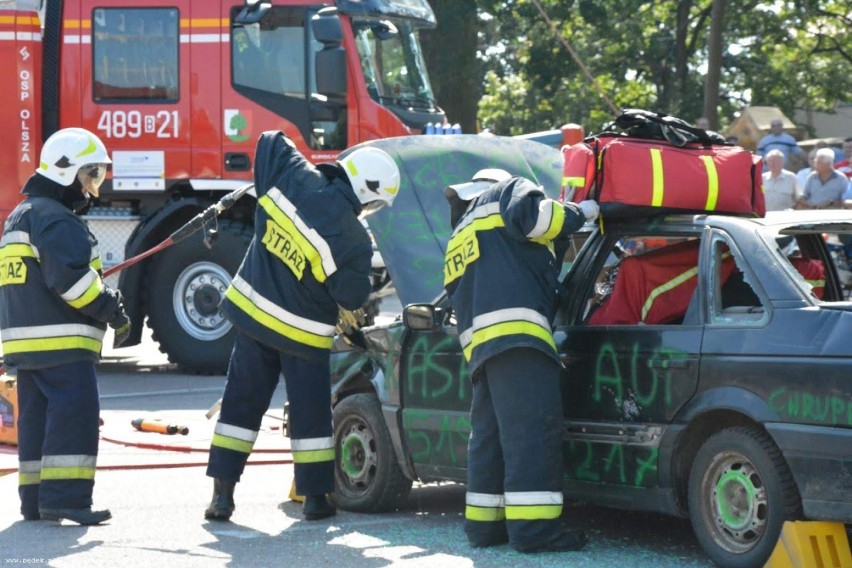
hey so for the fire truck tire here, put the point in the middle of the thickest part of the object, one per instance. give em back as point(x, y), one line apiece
point(367, 475)
point(184, 286)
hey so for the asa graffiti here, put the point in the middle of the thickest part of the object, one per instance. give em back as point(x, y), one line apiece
point(797, 406)
point(611, 463)
point(436, 374)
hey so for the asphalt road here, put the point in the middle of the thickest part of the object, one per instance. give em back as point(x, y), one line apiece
point(157, 490)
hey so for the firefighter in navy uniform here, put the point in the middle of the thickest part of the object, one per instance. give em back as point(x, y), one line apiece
point(54, 310)
point(506, 225)
point(310, 256)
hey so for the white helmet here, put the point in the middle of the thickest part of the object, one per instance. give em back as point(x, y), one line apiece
point(481, 180)
point(75, 152)
point(374, 176)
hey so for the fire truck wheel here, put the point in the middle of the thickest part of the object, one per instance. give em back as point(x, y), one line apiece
point(367, 475)
point(184, 287)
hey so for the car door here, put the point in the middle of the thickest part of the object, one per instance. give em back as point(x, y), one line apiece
point(435, 392)
point(624, 379)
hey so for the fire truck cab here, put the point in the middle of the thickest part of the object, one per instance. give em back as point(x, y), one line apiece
point(179, 90)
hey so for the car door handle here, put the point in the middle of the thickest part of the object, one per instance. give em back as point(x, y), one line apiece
point(668, 364)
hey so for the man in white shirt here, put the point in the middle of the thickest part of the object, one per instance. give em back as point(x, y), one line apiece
point(780, 187)
point(825, 186)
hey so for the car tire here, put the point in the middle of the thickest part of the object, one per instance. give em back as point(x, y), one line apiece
point(740, 493)
point(366, 472)
point(185, 284)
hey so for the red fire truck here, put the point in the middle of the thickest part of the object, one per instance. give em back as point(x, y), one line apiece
point(179, 91)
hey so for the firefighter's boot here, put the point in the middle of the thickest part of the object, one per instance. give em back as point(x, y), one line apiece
point(222, 505)
point(84, 517)
point(317, 507)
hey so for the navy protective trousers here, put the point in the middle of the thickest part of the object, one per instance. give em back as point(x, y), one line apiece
point(514, 462)
point(57, 436)
point(252, 377)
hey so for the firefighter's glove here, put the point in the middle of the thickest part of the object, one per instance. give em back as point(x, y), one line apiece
point(121, 324)
point(589, 209)
point(350, 321)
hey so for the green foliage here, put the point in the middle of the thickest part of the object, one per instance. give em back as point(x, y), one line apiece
point(787, 53)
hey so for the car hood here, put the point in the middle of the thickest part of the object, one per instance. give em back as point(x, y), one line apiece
point(412, 235)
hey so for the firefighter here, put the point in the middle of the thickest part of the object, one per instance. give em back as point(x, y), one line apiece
point(54, 310)
point(506, 225)
point(310, 256)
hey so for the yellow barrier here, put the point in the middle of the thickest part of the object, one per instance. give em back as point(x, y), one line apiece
point(811, 544)
point(8, 412)
point(293, 495)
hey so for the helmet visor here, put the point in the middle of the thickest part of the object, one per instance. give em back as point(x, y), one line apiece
point(91, 176)
point(369, 208)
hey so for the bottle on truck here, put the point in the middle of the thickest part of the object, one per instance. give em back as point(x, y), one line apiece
point(179, 92)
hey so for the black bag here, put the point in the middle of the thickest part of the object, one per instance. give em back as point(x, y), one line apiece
point(638, 123)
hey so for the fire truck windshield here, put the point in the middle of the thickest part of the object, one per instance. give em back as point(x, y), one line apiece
point(393, 64)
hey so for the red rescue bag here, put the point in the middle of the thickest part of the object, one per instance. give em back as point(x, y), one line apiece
point(634, 177)
point(655, 287)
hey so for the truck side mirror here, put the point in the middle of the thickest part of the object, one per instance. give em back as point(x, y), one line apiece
point(327, 27)
point(252, 12)
point(331, 73)
point(420, 317)
point(331, 60)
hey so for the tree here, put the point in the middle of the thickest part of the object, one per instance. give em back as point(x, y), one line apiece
point(658, 55)
point(450, 54)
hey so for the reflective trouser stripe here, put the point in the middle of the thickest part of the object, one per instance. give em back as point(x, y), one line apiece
point(232, 437)
point(68, 467)
point(533, 505)
point(312, 450)
point(29, 472)
point(272, 316)
point(484, 507)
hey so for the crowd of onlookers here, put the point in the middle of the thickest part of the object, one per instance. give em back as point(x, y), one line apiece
point(826, 182)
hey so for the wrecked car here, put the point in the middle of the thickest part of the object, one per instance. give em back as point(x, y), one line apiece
point(707, 361)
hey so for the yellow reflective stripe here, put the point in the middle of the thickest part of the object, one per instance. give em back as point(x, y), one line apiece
point(816, 283)
point(532, 512)
point(573, 181)
point(665, 287)
point(463, 248)
point(92, 292)
point(17, 249)
point(557, 221)
point(313, 456)
point(276, 325)
point(712, 183)
point(96, 263)
point(483, 335)
point(475, 513)
point(657, 177)
point(51, 344)
point(229, 443)
point(29, 478)
point(57, 473)
point(302, 241)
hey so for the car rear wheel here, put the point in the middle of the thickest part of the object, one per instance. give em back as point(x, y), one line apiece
point(740, 493)
point(367, 475)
